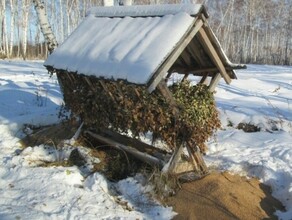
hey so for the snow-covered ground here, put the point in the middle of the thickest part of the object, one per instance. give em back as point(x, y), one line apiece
point(29, 96)
point(261, 96)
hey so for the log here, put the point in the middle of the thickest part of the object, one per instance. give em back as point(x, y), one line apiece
point(139, 145)
point(151, 160)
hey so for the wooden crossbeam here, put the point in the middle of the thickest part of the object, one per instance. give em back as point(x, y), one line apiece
point(199, 71)
point(196, 71)
point(213, 54)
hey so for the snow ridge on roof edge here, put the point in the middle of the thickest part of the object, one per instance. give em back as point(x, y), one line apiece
point(147, 10)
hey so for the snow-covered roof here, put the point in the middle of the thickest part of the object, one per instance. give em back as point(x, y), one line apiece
point(147, 10)
point(125, 48)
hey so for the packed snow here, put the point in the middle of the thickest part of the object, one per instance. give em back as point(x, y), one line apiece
point(121, 48)
point(29, 96)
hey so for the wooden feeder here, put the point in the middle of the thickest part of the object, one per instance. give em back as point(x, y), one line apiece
point(145, 45)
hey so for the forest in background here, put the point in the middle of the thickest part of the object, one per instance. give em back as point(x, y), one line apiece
point(250, 31)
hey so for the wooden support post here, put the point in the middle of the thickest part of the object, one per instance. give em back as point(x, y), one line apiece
point(185, 77)
point(162, 87)
point(192, 159)
point(196, 163)
point(174, 159)
point(195, 155)
point(168, 76)
point(214, 82)
point(197, 158)
point(204, 79)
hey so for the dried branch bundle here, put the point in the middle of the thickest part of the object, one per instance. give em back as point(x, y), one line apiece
point(130, 109)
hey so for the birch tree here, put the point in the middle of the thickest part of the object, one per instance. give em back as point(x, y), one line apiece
point(25, 15)
point(2, 12)
point(12, 26)
point(45, 26)
point(61, 28)
point(4, 28)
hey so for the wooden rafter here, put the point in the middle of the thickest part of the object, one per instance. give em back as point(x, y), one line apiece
point(186, 58)
point(157, 77)
point(194, 51)
point(213, 54)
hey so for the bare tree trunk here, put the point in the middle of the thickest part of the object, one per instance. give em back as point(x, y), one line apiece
point(45, 26)
point(25, 14)
point(2, 12)
point(68, 11)
point(19, 44)
point(61, 22)
point(12, 19)
point(288, 41)
point(4, 29)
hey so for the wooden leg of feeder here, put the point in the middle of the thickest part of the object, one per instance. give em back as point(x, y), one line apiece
point(204, 79)
point(193, 160)
point(214, 82)
point(197, 159)
point(174, 159)
point(162, 87)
